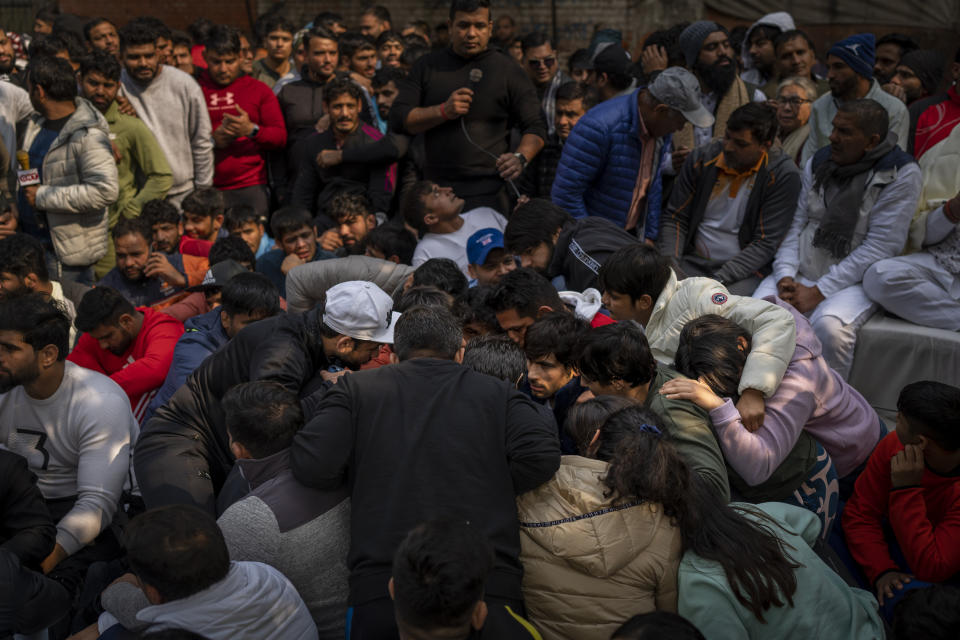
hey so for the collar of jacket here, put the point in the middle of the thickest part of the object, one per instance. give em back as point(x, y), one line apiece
point(663, 300)
point(257, 471)
point(737, 178)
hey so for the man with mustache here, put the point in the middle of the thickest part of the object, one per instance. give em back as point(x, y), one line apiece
point(708, 51)
point(144, 276)
point(172, 105)
point(143, 173)
point(313, 188)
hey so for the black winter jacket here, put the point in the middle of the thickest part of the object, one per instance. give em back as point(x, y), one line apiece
point(26, 528)
point(423, 439)
point(583, 246)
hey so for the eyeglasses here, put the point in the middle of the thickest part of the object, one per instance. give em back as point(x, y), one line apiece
point(796, 103)
point(542, 62)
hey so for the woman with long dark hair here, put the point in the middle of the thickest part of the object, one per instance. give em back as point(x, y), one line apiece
point(592, 561)
point(748, 571)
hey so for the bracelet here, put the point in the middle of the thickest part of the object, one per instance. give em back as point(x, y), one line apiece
point(443, 114)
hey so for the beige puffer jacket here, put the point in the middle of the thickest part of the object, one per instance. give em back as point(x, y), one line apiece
point(589, 565)
point(79, 183)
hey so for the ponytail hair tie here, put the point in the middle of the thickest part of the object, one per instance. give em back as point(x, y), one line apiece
point(649, 428)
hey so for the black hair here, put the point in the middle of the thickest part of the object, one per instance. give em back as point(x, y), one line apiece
point(569, 91)
point(635, 270)
point(469, 6)
point(252, 294)
point(646, 465)
point(101, 306)
point(327, 19)
point(262, 416)
point(76, 46)
point(133, 226)
point(55, 75)
point(160, 211)
point(769, 31)
point(42, 322)
point(177, 549)
point(388, 36)
point(557, 333)
point(871, 117)
point(585, 418)
point(422, 296)
point(535, 39)
point(223, 40)
point(48, 12)
point(379, 11)
point(46, 46)
point(199, 28)
point(319, 32)
point(757, 118)
point(159, 27)
point(412, 53)
point(616, 352)
point(656, 625)
point(905, 42)
point(932, 409)
point(204, 201)
point(101, 62)
point(532, 223)
point(392, 240)
point(932, 613)
point(387, 75)
point(341, 85)
point(351, 42)
point(496, 355)
point(439, 570)
point(412, 205)
point(21, 254)
point(231, 248)
point(526, 291)
point(277, 22)
point(708, 350)
point(787, 36)
point(669, 39)
point(348, 203)
point(135, 34)
point(579, 59)
point(239, 214)
point(444, 274)
point(475, 309)
point(286, 220)
point(180, 39)
point(427, 331)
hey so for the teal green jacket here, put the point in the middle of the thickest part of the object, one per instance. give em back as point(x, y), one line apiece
point(824, 606)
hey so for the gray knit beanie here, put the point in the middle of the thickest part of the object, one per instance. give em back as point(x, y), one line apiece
point(691, 39)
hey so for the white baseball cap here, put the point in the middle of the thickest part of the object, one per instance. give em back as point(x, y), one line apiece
point(360, 310)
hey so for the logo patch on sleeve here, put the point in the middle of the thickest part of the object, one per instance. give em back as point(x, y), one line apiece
point(719, 298)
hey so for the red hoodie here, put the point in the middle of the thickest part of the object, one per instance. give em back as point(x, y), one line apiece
point(143, 368)
point(937, 122)
point(925, 520)
point(242, 164)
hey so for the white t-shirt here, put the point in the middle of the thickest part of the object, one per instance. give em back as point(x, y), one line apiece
point(718, 236)
point(78, 442)
point(454, 245)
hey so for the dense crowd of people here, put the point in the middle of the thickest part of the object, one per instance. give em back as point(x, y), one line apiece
point(387, 330)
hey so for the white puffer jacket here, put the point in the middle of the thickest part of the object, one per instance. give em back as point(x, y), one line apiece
point(79, 183)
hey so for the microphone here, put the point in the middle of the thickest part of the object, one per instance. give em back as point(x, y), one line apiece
point(476, 75)
point(26, 176)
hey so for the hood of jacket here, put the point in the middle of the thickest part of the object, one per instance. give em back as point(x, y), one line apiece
point(780, 19)
point(572, 518)
point(253, 601)
point(808, 345)
point(209, 325)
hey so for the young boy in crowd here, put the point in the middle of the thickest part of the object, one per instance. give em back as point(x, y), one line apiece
point(203, 215)
point(487, 259)
point(297, 244)
point(552, 377)
point(242, 220)
point(166, 226)
point(910, 488)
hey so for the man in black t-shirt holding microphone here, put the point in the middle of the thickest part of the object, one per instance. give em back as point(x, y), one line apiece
point(465, 99)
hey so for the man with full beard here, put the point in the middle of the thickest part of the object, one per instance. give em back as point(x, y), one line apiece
point(709, 55)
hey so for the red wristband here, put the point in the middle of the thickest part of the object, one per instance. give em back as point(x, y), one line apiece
point(443, 114)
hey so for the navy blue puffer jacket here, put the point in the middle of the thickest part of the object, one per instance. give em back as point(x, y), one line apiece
point(600, 163)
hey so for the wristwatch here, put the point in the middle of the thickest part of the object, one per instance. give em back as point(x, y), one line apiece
point(256, 130)
point(523, 160)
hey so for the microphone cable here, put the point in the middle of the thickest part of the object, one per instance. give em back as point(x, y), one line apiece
point(476, 75)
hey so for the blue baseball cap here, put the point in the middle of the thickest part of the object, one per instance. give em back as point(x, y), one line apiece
point(481, 243)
